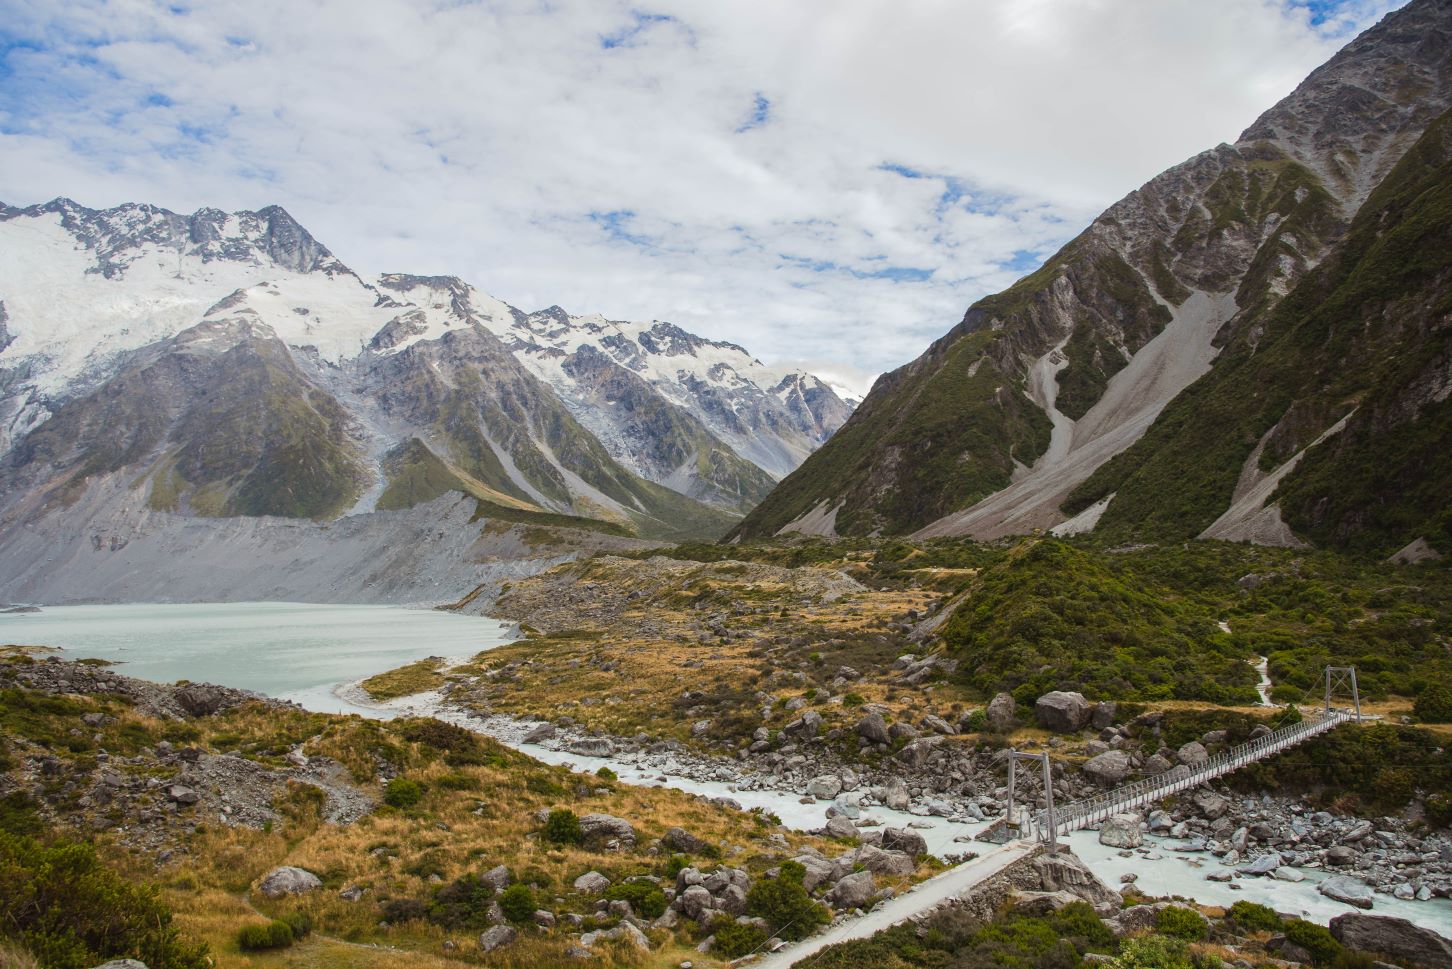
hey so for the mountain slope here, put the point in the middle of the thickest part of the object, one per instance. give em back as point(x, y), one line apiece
point(991, 430)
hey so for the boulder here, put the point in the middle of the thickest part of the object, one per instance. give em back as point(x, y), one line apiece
point(1263, 865)
point(599, 828)
point(937, 724)
point(682, 841)
point(1102, 716)
point(1109, 768)
point(121, 964)
point(497, 878)
point(1192, 754)
point(288, 881)
point(203, 699)
point(538, 733)
point(841, 827)
point(1067, 873)
point(804, 728)
point(1212, 806)
point(183, 795)
point(1121, 831)
point(873, 729)
point(625, 930)
point(879, 862)
point(896, 796)
point(825, 787)
point(1397, 938)
point(819, 870)
point(1001, 712)
point(854, 891)
point(1040, 903)
point(497, 937)
point(592, 883)
point(1346, 889)
point(909, 843)
point(693, 901)
point(1062, 712)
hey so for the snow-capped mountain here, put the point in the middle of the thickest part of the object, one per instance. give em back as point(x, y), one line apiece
point(229, 364)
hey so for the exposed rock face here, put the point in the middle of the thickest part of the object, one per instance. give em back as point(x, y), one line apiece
point(1062, 712)
point(1109, 768)
point(592, 883)
point(851, 892)
point(1065, 872)
point(873, 729)
point(606, 828)
point(1001, 713)
point(497, 937)
point(1345, 889)
point(1393, 937)
point(288, 881)
point(1121, 831)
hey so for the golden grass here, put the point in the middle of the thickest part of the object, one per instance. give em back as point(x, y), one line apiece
point(407, 680)
point(14, 957)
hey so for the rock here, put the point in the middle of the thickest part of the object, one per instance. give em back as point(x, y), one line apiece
point(1121, 831)
point(1345, 889)
point(538, 734)
point(573, 951)
point(1160, 821)
point(1212, 806)
point(1001, 712)
point(896, 796)
point(937, 724)
point(1339, 855)
point(592, 883)
point(1068, 874)
point(122, 964)
point(497, 937)
point(544, 919)
point(804, 728)
point(909, 843)
point(1041, 903)
point(819, 870)
point(1263, 865)
point(1397, 938)
point(902, 731)
point(352, 893)
point(1192, 754)
point(693, 901)
point(1156, 764)
point(879, 862)
point(1109, 768)
point(203, 699)
point(288, 881)
point(1102, 716)
point(851, 892)
point(681, 840)
point(591, 747)
point(497, 878)
point(825, 787)
point(181, 794)
point(1284, 874)
point(873, 729)
point(1062, 712)
point(841, 827)
point(599, 828)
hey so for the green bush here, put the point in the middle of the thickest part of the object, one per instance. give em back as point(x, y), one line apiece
point(562, 827)
point(1434, 704)
point(397, 910)
point(784, 902)
point(402, 793)
point(854, 700)
point(276, 934)
point(71, 911)
point(457, 782)
point(1315, 939)
point(1255, 918)
point(1181, 923)
point(517, 903)
point(462, 904)
point(301, 925)
point(646, 898)
point(977, 721)
point(734, 940)
point(606, 774)
point(1152, 952)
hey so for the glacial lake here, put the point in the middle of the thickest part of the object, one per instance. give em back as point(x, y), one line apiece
point(293, 651)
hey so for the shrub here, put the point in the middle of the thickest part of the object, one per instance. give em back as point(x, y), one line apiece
point(402, 793)
point(462, 904)
point(646, 898)
point(457, 782)
point(784, 902)
point(71, 912)
point(734, 940)
point(517, 903)
point(1152, 952)
point(1434, 704)
point(1315, 939)
point(1351, 959)
point(1181, 923)
point(301, 925)
point(854, 700)
point(397, 910)
point(606, 774)
point(276, 934)
point(1255, 918)
point(562, 827)
point(977, 721)
point(675, 863)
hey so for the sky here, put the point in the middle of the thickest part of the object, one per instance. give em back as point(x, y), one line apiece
point(829, 183)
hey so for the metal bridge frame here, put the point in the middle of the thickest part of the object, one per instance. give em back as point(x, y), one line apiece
point(1046, 825)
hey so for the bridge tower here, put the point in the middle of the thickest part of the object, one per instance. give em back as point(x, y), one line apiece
point(1339, 677)
point(1043, 775)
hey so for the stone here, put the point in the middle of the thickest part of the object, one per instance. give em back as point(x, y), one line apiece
point(896, 796)
point(592, 883)
point(909, 843)
point(539, 733)
point(854, 891)
point(1102, 716)
point(1263, 865)
point(183, 795)
point(682, 841)
point(1109, 768)
point(122, 964)
point(841, 827)
point(544, 919)
point(819, 870)
point(825, 787)
point(1067, 873)
point(1340, 855)
point(1342, 888)
point(1156, 764)
point(352, 893)
point(1121, 831)
point(880, 862)
point(599, 828)
point(1393, 937)
point(1192, 754)
point(1160, 821)
point(1041, 903)
point(497, 937)
point(1284, 874)
point(1211, 806)
point(497, 878)
point(288, 880)
point(1001, 713)
point(591, 747)
point(937, 724)
point(693, 901)
point(873, 729)
point(574, 951)
point(203, 699)
point(804, 728)
point(1062, 712)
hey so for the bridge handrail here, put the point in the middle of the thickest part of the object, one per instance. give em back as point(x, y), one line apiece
point(1101, 806)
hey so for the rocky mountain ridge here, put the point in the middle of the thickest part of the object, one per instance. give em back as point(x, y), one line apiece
point(1039, 388)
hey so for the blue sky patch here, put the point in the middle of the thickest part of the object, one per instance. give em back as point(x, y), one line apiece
point(760, 113)
point(628, 35)
point(616, 226)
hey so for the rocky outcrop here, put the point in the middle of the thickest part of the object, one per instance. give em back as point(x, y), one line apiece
point(288, 880)
point(1062, 712)
point(1393, 937)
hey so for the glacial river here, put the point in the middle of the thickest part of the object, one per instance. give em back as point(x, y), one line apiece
point(312, 653)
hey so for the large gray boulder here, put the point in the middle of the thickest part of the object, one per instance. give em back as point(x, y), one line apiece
point(1066, 873)
point(592, 883)
point(804, 728)
point(1193, 754)
point(880, 862)
point(1109, 768)
point(1343, 888)
point(873, 729)
point(854, 891)
point(1001, 713)
point(908, 842)
point(1121, 831)
point(122, 964)
point(1062, 712)
point(825, 787)
point(1397, 938)
point(598, 828)
point(1212, 806)
point(288, 881)
point(681, 840)
point(497, 937)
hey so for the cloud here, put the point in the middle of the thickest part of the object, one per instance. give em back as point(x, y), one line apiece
point(828, 180)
